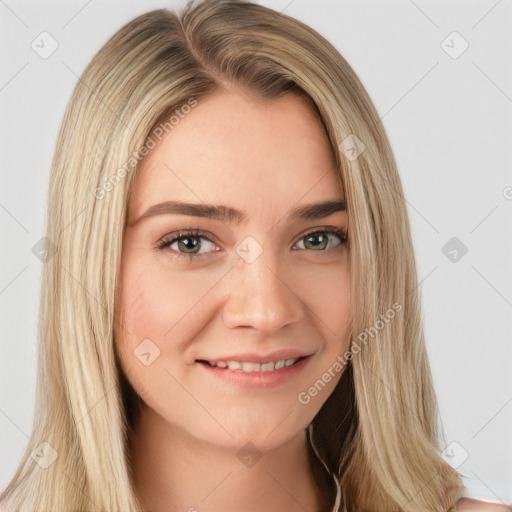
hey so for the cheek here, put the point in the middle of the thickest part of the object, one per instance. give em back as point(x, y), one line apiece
point(154, 299)
point(327, 295)
point(149, 306)
point(158, 304)
point(142, 305)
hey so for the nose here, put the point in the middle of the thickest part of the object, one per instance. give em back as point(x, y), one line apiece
point(262, 296)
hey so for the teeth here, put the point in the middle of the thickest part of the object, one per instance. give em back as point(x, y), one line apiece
point(254, 367)
point(268, 367)
point(251, 367)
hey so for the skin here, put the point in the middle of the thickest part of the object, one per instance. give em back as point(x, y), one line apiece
point(470, 505)
point(265, 157)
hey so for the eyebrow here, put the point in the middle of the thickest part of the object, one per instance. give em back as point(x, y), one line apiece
point(233, 216)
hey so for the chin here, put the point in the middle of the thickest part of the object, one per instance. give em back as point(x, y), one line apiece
point(265, 428)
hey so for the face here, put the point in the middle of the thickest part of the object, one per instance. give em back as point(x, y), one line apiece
point(234, 316)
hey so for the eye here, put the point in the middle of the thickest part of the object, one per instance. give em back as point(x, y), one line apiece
point(187, 244)
point(321, 239)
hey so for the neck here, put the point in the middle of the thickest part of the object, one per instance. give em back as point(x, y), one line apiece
point(173, 471)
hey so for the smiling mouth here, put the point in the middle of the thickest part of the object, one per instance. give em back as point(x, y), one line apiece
point(250, 367)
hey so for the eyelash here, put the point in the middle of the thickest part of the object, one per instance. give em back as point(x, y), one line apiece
point(196, 233)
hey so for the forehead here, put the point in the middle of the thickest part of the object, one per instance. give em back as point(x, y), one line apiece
point(236, 148)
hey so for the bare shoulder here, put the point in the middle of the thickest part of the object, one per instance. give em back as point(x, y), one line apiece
point(472, 505)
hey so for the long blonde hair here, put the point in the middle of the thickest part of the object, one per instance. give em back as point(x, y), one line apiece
point(378, 431)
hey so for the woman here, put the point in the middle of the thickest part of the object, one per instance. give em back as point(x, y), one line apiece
point(231, 319)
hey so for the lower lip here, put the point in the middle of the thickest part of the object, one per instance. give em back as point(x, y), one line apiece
point(257, 379)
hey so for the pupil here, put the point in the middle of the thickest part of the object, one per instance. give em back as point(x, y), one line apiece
point(312, 237)
point(193, 245)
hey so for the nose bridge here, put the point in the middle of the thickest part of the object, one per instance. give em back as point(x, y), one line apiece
point(259, 292)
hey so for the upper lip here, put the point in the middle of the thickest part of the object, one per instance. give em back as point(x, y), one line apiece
point(253, 357)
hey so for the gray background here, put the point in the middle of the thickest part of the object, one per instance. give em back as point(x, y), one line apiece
point(450, 124)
